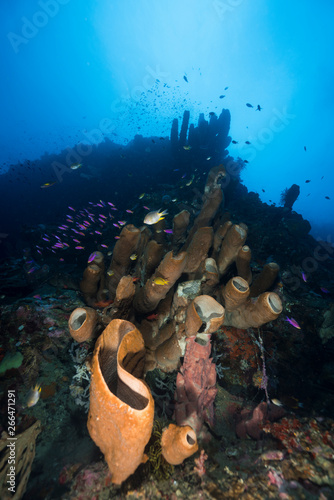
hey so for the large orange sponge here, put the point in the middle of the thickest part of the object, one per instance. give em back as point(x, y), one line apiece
point(121, 409)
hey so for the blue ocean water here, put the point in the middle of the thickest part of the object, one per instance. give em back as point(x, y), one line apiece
point(112, 109)
point(82, 72)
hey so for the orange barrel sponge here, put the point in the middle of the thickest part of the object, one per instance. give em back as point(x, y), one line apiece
point(178, 443)
point(82, 323)
point(121, 408)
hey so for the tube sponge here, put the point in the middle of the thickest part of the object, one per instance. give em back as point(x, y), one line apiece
point(243, 312)
point(82, 323)
point(233, 241)
point(90, 283)
point(170, 269)
point(204, 315)
point(265, 279)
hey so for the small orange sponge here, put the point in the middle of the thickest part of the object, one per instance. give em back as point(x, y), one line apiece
point(178, 443)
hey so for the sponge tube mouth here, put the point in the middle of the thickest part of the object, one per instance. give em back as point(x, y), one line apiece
point(274, 303)
point(240, 284)
point(191, 437)
point(78, 318)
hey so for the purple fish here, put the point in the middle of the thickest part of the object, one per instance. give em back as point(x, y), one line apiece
point(304, 277)
point(292, 322)
point(91, 257)
point(168, 231)
point(324, 290)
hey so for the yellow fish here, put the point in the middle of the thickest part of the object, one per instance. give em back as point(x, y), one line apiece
point(190, 182)
point(33, 396)
point(160, 281)
point(187, 148)
point(48, 184)
point(154, 217)
point(277, 402)
point(141, 196)
point(110, 272)
point(133, 256)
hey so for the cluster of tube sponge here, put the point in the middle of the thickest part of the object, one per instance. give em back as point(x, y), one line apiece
point(186, 283)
